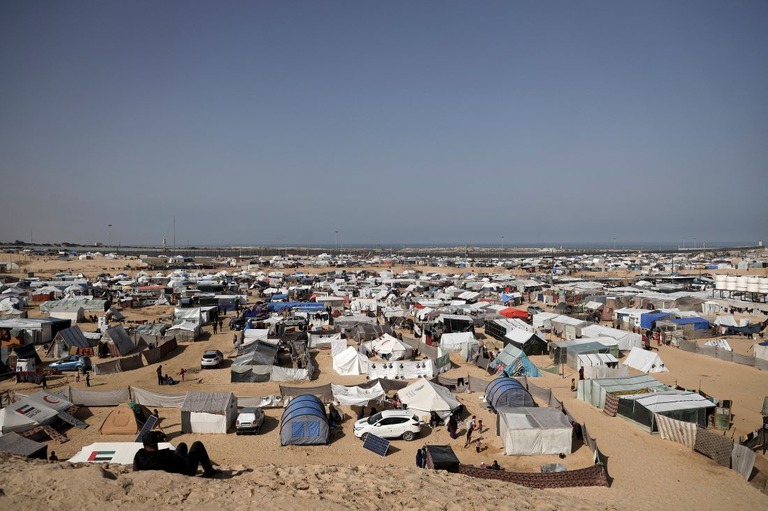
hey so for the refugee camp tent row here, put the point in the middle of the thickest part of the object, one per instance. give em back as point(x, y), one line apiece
point(679, 405)
point(627, 340)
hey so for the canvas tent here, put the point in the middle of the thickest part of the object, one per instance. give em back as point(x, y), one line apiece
point(118, 341)
point(507, 392)
point(120, 421)
point(304, 422)
point(463, 342)
point(208, 412)
point(676, 404)
point(13, 443)
point(627, 340)
point(513, 362)
point(645, 361)
point(534, 431)
point(350, 362)
point(65, 340)
point(388, 348)
point(529, 343)
point(357, 395)
point(423, 397)
point(16, 422)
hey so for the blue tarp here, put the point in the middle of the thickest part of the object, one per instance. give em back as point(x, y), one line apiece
point(302, 306)
point(648, 319)
point(278, 296)
point(699, 323)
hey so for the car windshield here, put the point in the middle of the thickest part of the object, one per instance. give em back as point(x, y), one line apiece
point(209, 355)
point(373, 419)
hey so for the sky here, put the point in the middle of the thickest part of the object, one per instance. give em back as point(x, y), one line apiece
point(407, 122)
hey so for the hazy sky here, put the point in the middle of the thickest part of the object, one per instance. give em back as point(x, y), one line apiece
point(282, 122)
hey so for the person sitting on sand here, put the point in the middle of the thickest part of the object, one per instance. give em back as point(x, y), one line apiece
point(495, 465)
point(180, 461)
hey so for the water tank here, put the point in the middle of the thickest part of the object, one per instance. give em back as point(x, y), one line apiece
point(730, 283)
point(741, 283)
point(720, 281)
point(753, 284)
point(762, 287)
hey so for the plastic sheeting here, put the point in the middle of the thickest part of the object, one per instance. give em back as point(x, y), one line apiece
point(322, 340)
point(152, 399)
point(357, 396)
point(99, 397)
point(535, 431)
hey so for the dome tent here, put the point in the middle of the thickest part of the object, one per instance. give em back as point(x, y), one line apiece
point(507, 392)
point(304, 422)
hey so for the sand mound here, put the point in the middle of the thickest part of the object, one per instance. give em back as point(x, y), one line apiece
point(40, 485)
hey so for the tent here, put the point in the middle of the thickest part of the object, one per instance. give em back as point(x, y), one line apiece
point(645, 361)
point(120, 453)
point(67, 339)
point(423, 397)
point(511, 312)
point(304, 422)
point(533, 431)
point(12, 421)
point(118, 341)
point(389, 348)
point(208, 412)
point(120, 421)
point(442, 457)
point(54, 401)
point(13, 443)
point(761, 350)
point(529, 343)
point(600, 365)
point(627, 340)
point(463, 342)
point(357, 395)
point(350, 362)
point(543, 320)
point(676, 404)
point(595, 390)
point(513, 362)
point(506, 392)
point(567, 327)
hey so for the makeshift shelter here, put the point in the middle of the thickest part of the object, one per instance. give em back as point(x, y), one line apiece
point(600, 365)
point(675, 404)
point(304, 422)
point(645, 361)
point(529, 343)
point(507, 392)
point(567, 327)
point(118, 341)
point(543, 320)
point(627, 340)
point(534, 431)
point(358, 395)
point(596, 390)
point(424, 397)
point(50, 400)
point(511, 312)
point(73, 313)
point(208, 412)
point(442, 457)
point(350, 362)
point(761, 350)
point(513, 362)
point(10, 421)
point(13, 443)
point(463, 342)
point(65, 340)
point(388, 348)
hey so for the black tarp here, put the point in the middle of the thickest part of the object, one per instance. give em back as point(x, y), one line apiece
point(13, 443)
point(442, 457)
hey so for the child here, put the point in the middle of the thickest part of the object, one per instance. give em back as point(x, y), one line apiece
point(182, 372)
point(480, 425)
point(478, 446)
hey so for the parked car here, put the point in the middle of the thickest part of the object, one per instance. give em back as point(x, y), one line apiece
point(249, 420)
point(389, 424)
point(211, 358)
point(71, 363)
point(534, 309)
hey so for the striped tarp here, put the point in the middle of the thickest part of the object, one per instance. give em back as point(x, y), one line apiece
point(611, 407)
point(742, 460)
point(675, 430)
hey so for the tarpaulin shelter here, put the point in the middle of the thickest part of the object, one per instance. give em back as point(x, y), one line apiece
point(304, 422)
point(13, 443)
point(594, 391)
point(513, 362)
point(627, 340)
point(675, 404)
point(507, 392)
point(534, 431)
point(529, 343)
point(118, 341)
point(645, 361)
point(65, 340)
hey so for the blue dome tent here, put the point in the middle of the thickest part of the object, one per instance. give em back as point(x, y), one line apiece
point(304, 422)
point(507, 392)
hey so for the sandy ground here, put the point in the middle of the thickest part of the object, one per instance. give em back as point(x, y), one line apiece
point(648, 472)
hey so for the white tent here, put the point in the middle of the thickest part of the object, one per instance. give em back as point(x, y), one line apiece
point(350, 363)
point(424, 397)
point(54, 401)
point(627, 340)
point(322, 340)
point(543, 320)
point(645, 361)
point(389, 348)
point(534, 431)
point(12, 421)
point(459, 341)
point(121, 453)
point(208, 412)
point(357, 396)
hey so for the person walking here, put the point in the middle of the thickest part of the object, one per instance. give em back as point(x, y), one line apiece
point(452, 426)
point(87, 379)
point(419, 459)
point(215, 326)
point(159, 372)
point(469, 437)
point(44, 383)
point(182, 373)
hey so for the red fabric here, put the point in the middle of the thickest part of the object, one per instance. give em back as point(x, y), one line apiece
point(511, 312)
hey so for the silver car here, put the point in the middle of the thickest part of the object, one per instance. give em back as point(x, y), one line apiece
point(211, 358)
point(249, 420)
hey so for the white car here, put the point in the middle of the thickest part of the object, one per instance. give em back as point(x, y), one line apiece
point(249, 420)
point(211, 358)
point(389, 424)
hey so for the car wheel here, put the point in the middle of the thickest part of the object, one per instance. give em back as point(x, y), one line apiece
point(408, 436)
point(363, 436)
point(237, 433)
